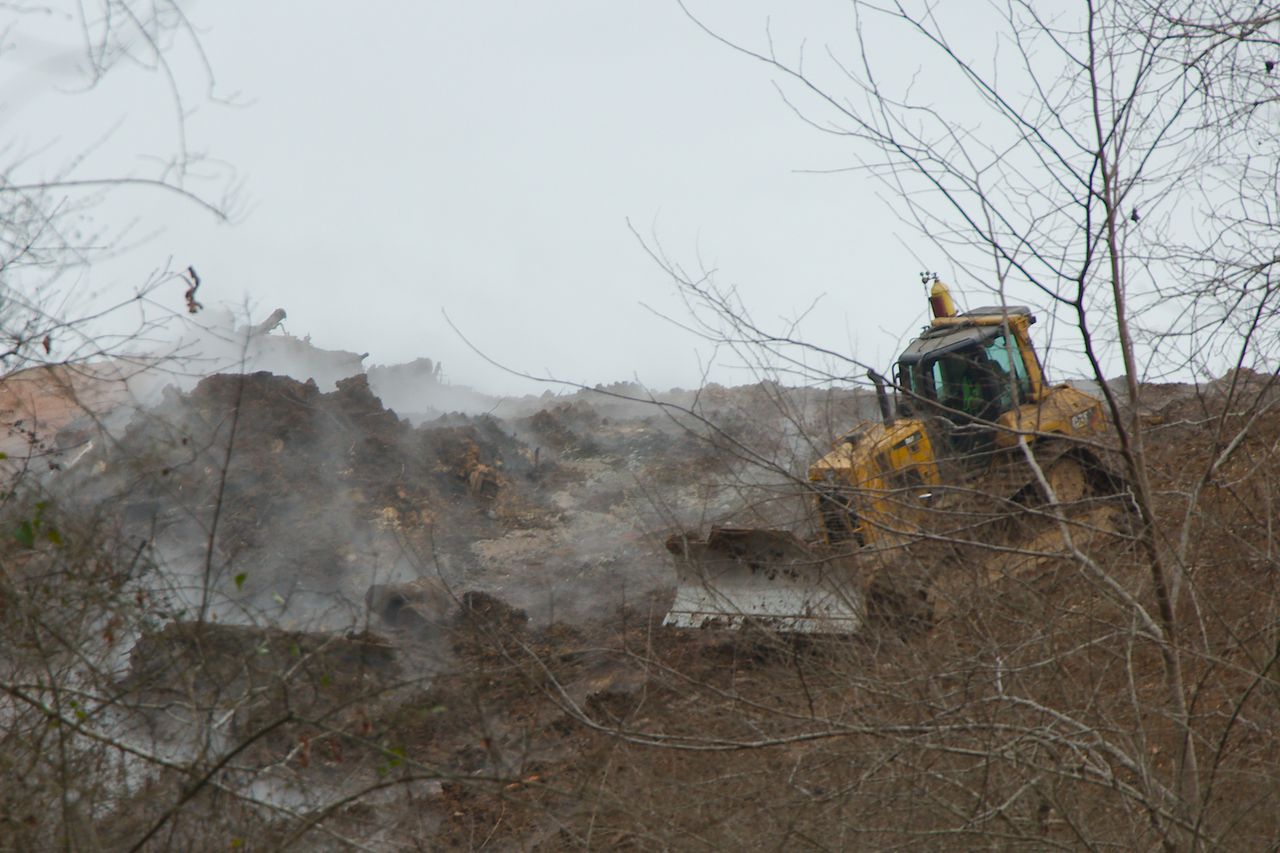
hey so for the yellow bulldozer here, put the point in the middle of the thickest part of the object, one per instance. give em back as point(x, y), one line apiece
point(946, 455)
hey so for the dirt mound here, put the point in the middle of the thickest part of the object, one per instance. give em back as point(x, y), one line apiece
point(566, 429)
point(302, 493)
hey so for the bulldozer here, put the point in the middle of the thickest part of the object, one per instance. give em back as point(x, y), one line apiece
point(945, 458)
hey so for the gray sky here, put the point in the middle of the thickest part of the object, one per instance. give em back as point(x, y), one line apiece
point(482, 159)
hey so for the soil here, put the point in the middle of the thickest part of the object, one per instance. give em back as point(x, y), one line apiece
point(462, 617)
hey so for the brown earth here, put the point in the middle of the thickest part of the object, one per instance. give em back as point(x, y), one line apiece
point(503, 679)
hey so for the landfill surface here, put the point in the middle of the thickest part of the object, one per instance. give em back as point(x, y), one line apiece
point(425, 629)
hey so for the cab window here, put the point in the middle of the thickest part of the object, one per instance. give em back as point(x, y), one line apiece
point(1009, 358)
point(966, 382)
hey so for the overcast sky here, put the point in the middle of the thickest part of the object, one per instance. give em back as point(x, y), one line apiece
point(397, 161)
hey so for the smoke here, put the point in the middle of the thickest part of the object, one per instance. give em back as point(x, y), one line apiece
point(216, 340)
point(283, 501)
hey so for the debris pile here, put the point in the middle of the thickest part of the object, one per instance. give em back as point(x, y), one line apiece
point(301, 493)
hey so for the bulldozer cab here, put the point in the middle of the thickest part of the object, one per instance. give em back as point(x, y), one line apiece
point(968, 376)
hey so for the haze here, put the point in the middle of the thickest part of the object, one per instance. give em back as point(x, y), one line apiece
point(402, 161)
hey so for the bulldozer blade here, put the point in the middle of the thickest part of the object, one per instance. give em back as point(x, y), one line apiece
point(739, 576)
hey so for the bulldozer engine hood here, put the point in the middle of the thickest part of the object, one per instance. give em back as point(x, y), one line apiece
point(863, 455)
point(866, 487)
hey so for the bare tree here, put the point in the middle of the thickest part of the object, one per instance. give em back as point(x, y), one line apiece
point(1111, 163)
